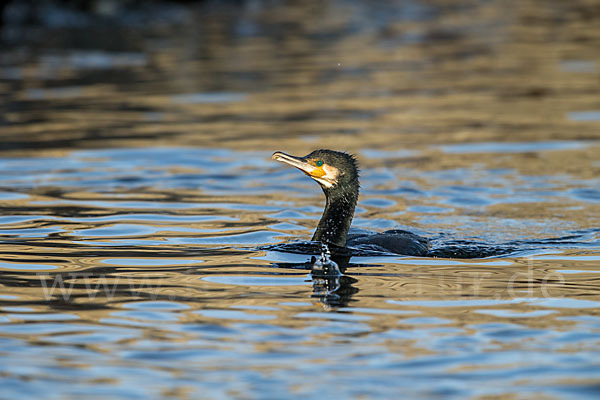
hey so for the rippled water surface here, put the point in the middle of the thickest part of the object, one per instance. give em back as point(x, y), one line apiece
point(142, 218)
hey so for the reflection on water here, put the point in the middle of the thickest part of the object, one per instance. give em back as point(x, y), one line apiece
point(142, 221)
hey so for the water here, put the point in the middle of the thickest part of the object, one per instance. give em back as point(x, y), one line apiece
point(143, 224)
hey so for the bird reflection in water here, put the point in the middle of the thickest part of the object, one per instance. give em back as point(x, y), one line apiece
point(330, 285)
point(334, 291)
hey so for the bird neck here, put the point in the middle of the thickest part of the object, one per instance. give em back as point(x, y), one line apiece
point(337, 217)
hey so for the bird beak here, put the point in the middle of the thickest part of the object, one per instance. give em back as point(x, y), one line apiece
point(300, 163)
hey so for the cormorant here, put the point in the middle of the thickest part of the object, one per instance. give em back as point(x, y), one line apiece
point(337, 174)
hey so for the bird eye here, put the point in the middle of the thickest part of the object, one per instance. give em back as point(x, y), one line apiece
point(319, 163)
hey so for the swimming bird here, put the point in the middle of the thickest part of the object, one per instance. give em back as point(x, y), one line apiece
point(337, 174)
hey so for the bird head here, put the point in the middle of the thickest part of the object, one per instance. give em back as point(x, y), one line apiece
point(330, 169)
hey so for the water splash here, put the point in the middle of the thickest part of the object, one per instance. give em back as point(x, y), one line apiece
point(324, 265)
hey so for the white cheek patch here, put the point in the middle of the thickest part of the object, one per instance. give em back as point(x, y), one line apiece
point(331, 173)
point(330, 177)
